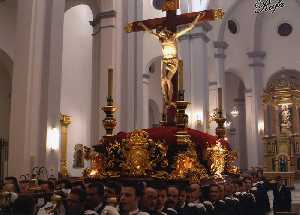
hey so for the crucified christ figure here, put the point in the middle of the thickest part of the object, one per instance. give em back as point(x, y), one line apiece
point(170, 60)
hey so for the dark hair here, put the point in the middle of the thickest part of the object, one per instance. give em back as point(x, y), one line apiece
point(79, 192)
point(24, 205)
point(78, 183)
point(99, 188)
point(214, 185)
point(114, 186)
point(138, 187)
point(67, 183)
point(183, 188)
point(14, 182)
point(49, 183)
point(247, 178)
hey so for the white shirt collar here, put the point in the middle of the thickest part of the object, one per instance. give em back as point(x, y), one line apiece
point(135, 212)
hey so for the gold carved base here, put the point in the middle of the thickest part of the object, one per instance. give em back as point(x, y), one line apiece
point(289, 177)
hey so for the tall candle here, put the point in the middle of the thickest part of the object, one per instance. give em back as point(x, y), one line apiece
point(220, 97)
point(110, 82)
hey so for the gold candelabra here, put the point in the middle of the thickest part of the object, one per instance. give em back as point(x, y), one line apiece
point(220, 120)
point(65, 121)
point(109, 122)
point(181, 119)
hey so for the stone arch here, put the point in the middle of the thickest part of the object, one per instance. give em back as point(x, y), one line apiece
point(235, 97)
point(92, 4)
point(6, 62)
point(153, 60)
point(151, 90)
point(288, 73)
point(78, 70)
point(222, 29)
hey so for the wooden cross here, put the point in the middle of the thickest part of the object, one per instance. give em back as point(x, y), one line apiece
point(172, 20)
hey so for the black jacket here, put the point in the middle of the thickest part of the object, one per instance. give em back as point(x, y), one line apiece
point(282, 198)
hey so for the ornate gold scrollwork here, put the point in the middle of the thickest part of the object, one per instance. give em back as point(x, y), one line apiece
point(217, 159)
point(187, 165)
point(218, 14)
point(136, 154)
point(230, 167)
point(97, 164)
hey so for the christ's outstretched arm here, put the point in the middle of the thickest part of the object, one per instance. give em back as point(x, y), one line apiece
point(191, 26)
point(147, 29)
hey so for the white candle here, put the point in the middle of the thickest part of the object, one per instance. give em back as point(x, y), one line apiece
point(220, 98)
point(110, 82)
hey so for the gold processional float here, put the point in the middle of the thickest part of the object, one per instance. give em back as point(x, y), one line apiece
point(170, 153)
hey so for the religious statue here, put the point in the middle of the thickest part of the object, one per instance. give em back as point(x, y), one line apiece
point(78, 156)
point(170, 59)
point(285, 117)
point(282, 164)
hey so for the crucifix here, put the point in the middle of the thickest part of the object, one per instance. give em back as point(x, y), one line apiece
point(167, 34)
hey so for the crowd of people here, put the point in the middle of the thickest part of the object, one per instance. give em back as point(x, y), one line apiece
point(233, 196)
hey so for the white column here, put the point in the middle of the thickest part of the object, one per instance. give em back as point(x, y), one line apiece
point(105, 34)
point(96, 122)
point(53, 87)
point(199, 76)
point(254, 111)
point(220, 46)
point(213, 104)
point(146, 80)
point(20, 127)
point(132, 71)
point(220, 57)
point(36, 72)
point(185, 55)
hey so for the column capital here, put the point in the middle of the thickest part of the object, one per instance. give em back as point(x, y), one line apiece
point(220, 45)
point(257, 65)
point(198, 32)
point(103, 20)
point(103, 15)
point(201, 35)
point(220, 55)
point(256, 58)
point(249, 91)
point(257, 54)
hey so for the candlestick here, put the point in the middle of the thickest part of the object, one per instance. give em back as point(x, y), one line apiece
point(220, 98)
point(110, 82)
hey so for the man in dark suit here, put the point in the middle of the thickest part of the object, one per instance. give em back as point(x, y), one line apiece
point(282, 197)
point(95, 197)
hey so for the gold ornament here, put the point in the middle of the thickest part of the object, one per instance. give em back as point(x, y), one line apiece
point(218, 14)
point(230, 167)
point(136, 154)
point(97, 164)
point(217, 159)
point(187, 165)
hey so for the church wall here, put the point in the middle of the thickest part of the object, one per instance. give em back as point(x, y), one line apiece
point(281, 52)
point(242, 42)
point(76, 78)
point(155, 89)
point(8, 12)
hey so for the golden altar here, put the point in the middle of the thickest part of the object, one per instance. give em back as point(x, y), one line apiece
point(281, 141)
